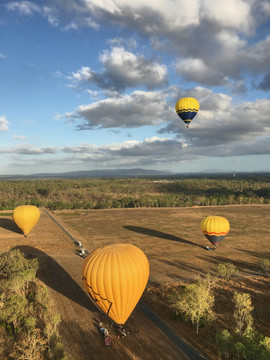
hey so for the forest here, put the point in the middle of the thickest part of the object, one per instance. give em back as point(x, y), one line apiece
point(106, 193)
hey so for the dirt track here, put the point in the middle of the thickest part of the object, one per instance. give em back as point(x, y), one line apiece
point(60, 270)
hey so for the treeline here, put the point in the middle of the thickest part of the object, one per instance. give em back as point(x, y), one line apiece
point(28, 322)
point(134, 192)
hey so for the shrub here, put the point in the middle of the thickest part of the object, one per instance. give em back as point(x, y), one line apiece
point(265, 265)
point(226, 270)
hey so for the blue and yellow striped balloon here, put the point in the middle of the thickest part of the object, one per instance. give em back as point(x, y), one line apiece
point(187, 109)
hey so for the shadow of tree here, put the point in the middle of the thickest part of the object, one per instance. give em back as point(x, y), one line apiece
point(256, 254)
point(158, 234)
point(183, 266)
point(55, 277)
point(10, 225)
point(241, 265)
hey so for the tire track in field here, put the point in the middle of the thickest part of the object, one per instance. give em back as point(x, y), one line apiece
point(188, 351)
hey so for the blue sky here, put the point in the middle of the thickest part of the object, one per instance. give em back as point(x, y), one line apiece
point(92, 84)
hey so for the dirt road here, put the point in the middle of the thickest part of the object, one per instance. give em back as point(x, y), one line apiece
point(60, 270)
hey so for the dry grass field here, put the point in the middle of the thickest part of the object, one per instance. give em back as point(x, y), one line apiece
point(172, 239)
point(175, 246)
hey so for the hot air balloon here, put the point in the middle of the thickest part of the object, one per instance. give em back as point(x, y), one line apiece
point(187, 109)
point(26, 217)
point(215, 228)
point(115, 277)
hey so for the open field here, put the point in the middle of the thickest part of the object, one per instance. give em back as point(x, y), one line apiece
point(172, 240)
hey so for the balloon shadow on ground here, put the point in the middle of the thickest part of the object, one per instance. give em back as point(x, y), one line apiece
point(158, 234)
point(55, 277)
point(10, 225)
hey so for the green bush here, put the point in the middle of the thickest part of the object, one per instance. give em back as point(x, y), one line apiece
point(227, 270)
point(265, 265)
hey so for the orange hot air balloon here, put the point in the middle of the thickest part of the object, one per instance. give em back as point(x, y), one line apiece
point(115, 277)
point(26, 217)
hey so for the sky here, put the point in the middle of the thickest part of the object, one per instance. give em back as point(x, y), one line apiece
point(92, 84)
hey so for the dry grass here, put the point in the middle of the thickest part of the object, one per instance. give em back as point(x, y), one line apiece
point(175, 246)
point(172, 240)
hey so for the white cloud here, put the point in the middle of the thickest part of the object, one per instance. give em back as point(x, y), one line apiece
point(123, 69)
point(149, 152)
point(130, 43)
point(3, 123)
point(137, 109)
point(71, 12)
point(2, 56)
point(23, 7)
point(197, 71)
point(71, 26)
point(29, 149)
point(220, 35)
point(180, 13)
point(57, 74)
point(234, 14)
point(84, 74)
point(256, 57)
point(19, 137)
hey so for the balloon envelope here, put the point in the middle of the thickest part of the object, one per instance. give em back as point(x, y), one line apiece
point(26, 217)
point(115, 277)
point(215, 228)
point(187, 109)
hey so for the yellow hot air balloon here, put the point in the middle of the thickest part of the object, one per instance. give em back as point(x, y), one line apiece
point(26, 217)
point(215, 228)
point(115, 277)
point(187, 109)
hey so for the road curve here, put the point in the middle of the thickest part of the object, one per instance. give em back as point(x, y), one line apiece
point(188, 351)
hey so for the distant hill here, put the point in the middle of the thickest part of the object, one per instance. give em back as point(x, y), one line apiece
point(91, 174)
point(137, 172)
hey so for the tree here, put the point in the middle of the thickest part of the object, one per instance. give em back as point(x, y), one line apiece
point(13, 264)
point(240, 349)
point(30, 324)
point(13, 309)
point(209, 280)
point(242, 312)
point(18, 270)
point(224, 341)
point(51, 329)
point(30, 347)
point(265, 345)
point(226, 270)
point(195, 301)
